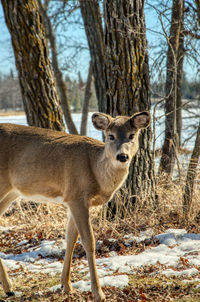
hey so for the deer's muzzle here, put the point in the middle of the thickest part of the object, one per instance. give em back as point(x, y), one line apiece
point(122, 157)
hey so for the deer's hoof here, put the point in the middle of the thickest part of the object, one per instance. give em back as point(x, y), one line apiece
point(10, 294)
point(99, 297)
point(67, 288)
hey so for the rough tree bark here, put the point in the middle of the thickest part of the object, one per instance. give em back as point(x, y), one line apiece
point(127, 85)
point(191, 174)
point(41, 102)
point(65, 103)
point(169, 148)
point(87, 96)
point(94, 31)
point(194, 160)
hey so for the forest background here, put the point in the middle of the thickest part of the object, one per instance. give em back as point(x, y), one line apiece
point(80, 56)
point(74, 56)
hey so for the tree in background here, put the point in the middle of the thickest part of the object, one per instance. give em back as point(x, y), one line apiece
point(194, 160)
point(85, 107)
point(76, 101)
point(10, 96)
point(180, 58)
point(61, 85)
point(173, 85)
point(91, 15)
point(191, 174)
point(41, 102)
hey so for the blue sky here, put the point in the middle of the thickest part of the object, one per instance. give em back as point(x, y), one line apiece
point(76, 33)
point(6, 54)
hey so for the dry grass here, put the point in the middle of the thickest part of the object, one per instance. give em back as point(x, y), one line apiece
point(40, 222)
point(27, 222)
point(48, 221)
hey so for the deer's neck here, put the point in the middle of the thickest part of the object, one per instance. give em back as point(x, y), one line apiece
point(110, 176)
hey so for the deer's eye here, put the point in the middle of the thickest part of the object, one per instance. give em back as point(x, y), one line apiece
point(111, 137)
point(131, 136)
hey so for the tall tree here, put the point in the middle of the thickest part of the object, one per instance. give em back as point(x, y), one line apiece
point(120, 69)
point(169, 148)
point(90, 11)
point(41, 102)
point(180, 59)
point(87, 96)
point(191, 174)
point(61, 85)
point(127, 84)
point(194, 160)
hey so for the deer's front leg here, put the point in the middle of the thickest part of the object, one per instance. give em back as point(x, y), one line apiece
point(71, 238)
point(82, 220)
point(5, 200)
point(5, 280)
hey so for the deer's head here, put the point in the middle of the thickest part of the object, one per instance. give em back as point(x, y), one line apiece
point(121, 134)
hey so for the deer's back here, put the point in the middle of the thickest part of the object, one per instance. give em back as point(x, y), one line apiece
point(39, 158)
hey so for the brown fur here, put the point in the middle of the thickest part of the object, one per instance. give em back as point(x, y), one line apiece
point(82, 171)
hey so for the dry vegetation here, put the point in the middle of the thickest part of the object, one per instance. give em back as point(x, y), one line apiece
point(36, 223)
point(47, 221)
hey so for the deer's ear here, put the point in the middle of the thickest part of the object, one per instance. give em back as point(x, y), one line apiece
point(141, 120)
point(101, 121)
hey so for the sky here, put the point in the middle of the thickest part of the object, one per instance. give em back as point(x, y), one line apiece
point(6, 53)
point(76, 34)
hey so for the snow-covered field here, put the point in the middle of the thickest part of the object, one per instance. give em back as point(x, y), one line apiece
point(177, 254)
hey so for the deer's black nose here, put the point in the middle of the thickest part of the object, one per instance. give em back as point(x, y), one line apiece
point(122, 157)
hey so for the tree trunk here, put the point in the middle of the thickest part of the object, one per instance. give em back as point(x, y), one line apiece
point(58, 74)
point(127, 85)
point(87, 96)
point(198, 10)
point(41, 102)
point(94, 31)
point(180, 58)
point(169, 148)
point(179, 104)
point(191, 174)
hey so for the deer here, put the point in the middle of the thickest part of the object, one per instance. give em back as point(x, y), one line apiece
point(77, 171)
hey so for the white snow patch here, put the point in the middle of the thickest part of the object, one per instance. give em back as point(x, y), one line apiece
point(55, 288)
point(6, 229)
point(84, 286)
point(173, 245)
point(22, 243)
point(143, 235)
point(187, 272)
point(18, 294)
point(192, 280)
point(102, 272)
point(117, 281)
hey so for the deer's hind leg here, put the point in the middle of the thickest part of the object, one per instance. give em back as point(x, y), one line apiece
point(5, 200)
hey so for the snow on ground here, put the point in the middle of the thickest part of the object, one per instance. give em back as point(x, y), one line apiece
point(178, 253)
point(175, 246)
